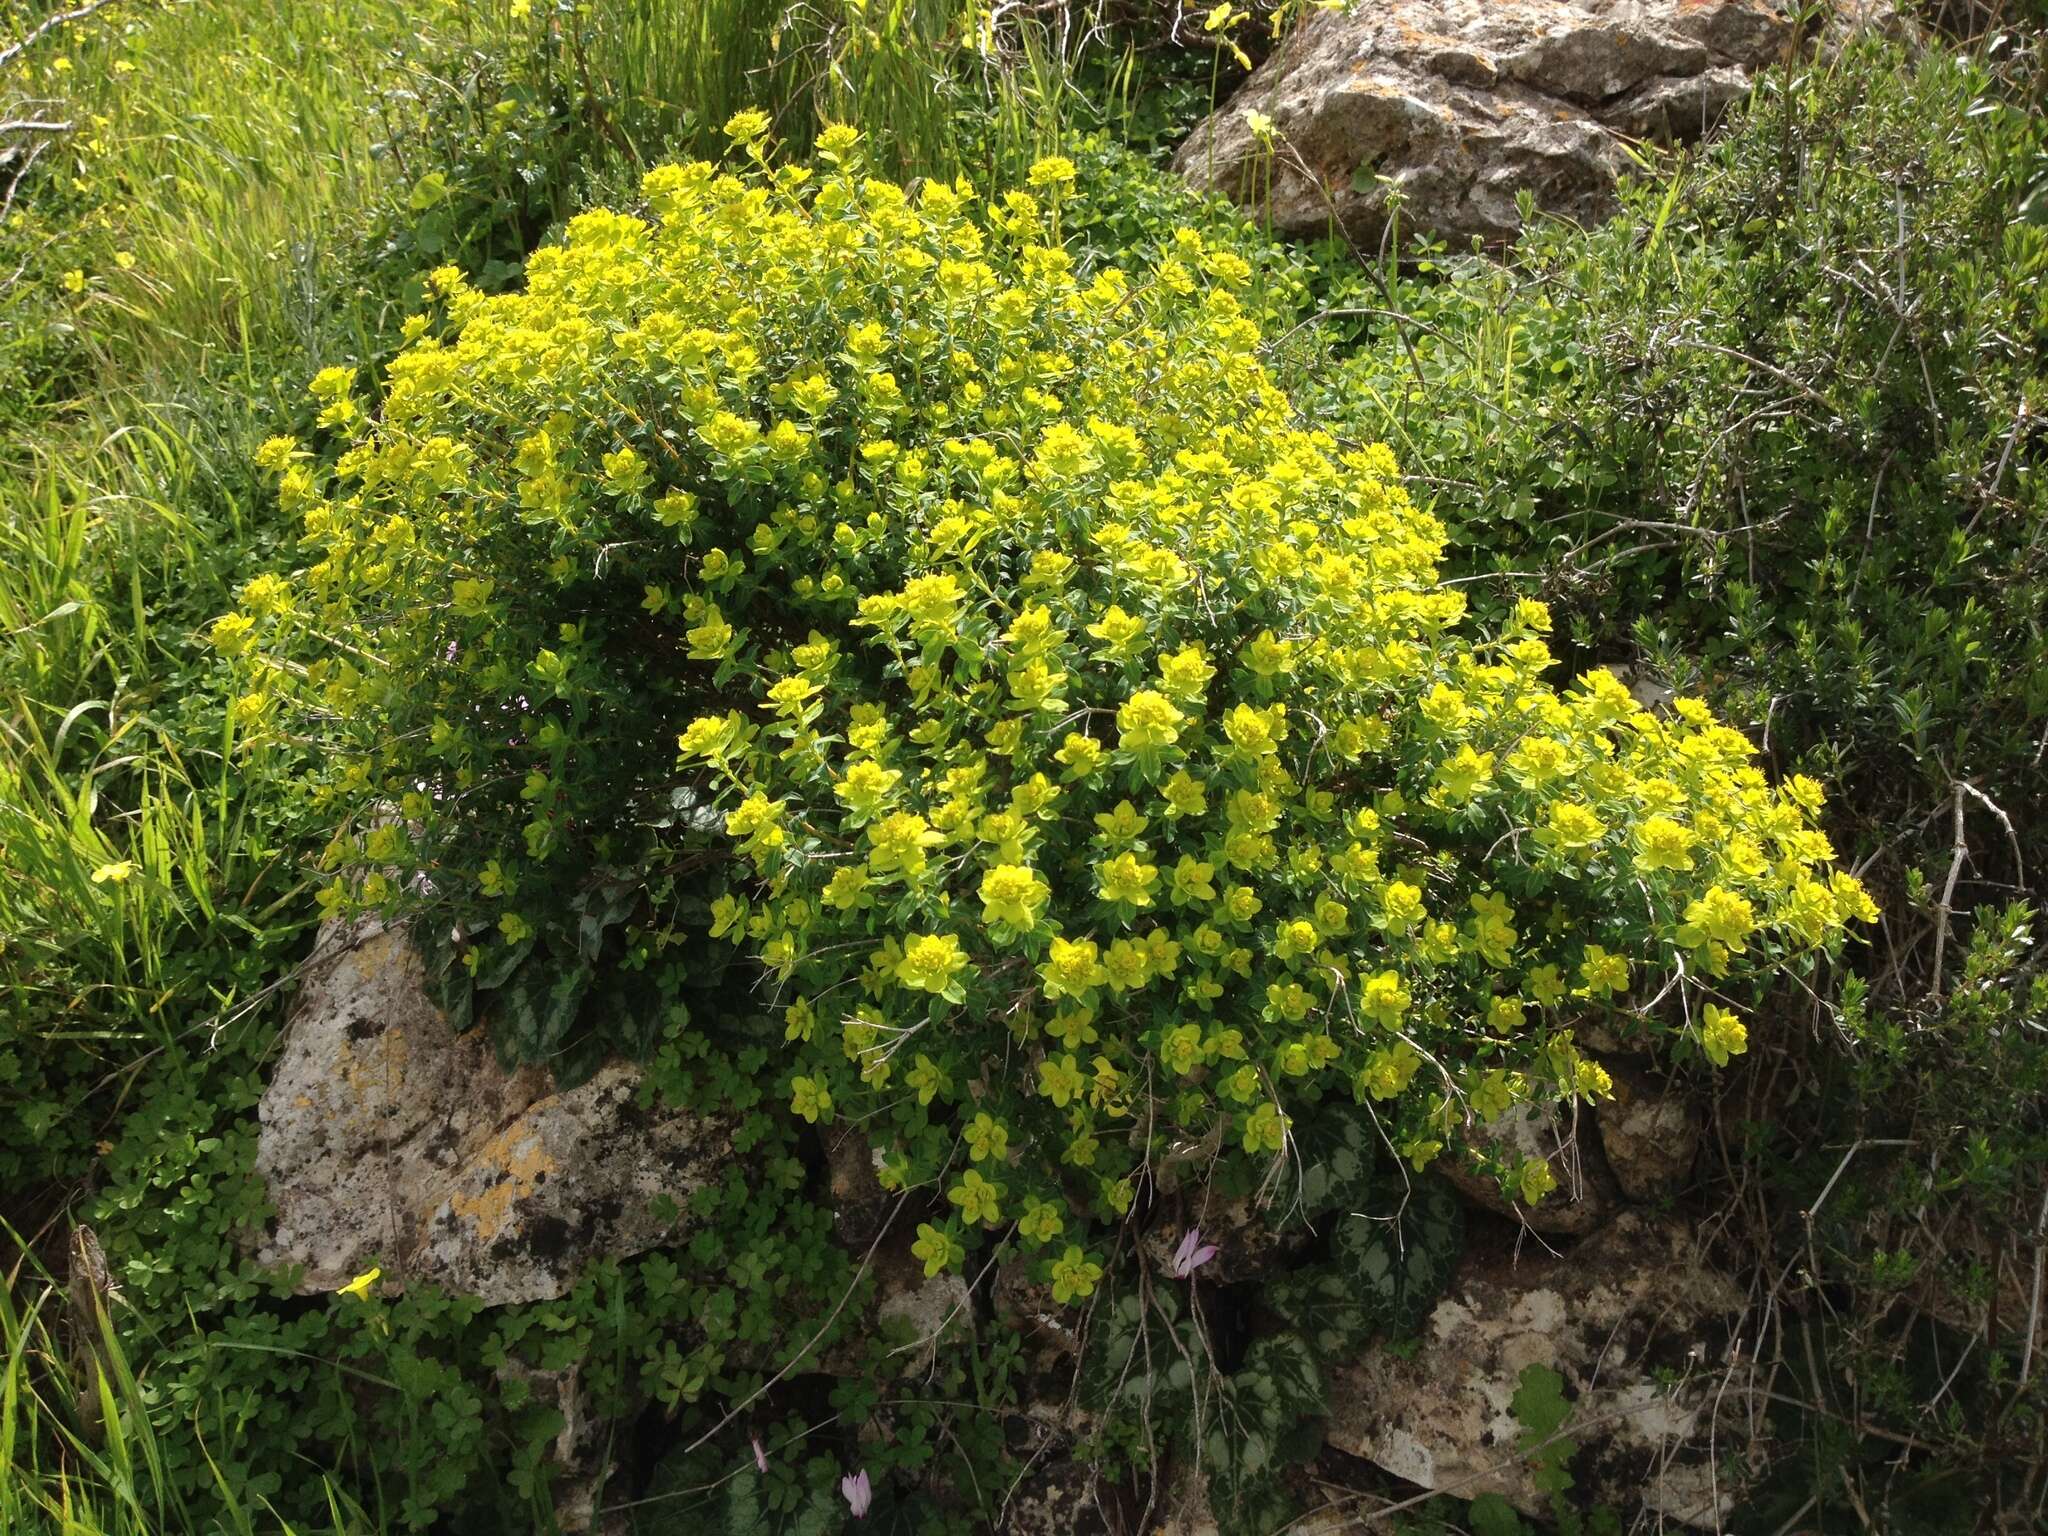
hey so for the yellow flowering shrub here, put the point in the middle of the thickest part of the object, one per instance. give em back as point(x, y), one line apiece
point(824, 590)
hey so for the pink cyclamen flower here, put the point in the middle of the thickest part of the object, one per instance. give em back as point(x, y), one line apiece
point(760, 1456)
point(859, 1495)
point(1192, 1254)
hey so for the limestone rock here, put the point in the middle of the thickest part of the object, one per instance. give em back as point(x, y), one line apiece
point(1059, 1498)
point(1650, 1132)
point(1187, 1506)
point(388, 1139)
point(1024, 1306)
point(921, 1311)
point(1463, 105)
point(1634, 1319)
point(1645, 687)
point(1584, 1196)
point(1188, 1512)
point(909, 1313)
point(859, 1203)
point(576, 1463)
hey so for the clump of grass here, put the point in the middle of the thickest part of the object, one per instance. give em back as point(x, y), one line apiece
point(167, 281)
point(120, 828)
point(217, 154)
point(941, 86)
point(84, 1439)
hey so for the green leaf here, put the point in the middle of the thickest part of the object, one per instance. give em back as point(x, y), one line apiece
point(1539, 1404)
point(1325, 1306)
point(1388, 1266)
point(1269, 1415)
point(1250, 1504)
point(603, 907)
point(500, 961)
point(1541, 1408)
point(1492, 1515)
point(428, 190)
point(1337, 1162)
point(1278, 1383)
point(1403, 1256)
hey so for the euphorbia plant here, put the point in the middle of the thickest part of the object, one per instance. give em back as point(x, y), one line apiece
point(1078, 750)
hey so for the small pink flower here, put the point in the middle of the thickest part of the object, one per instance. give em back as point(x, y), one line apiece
point(859, 1495)
point(1192, 1254)
point(760, 1456)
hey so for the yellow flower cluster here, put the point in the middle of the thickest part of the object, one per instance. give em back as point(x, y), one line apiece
point(1077, 723)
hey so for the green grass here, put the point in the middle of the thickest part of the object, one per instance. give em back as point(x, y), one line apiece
point(175, 255)
point(121, 830)
point(80, 1435)
point(221, 153)
point(943, 85)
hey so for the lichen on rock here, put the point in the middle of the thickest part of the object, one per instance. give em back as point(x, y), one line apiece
point(388, 1139)
point(1636, 1322)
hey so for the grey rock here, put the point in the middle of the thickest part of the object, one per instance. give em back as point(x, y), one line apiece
point(1678, 107)
point(1650, 1132)
point(1648, 691)
point(910, 1312)
point(1848, 20)
point(1583, 1199)
point(1024, 1307)
point(1636, 1322)
point(576, 1461)
point(1591, 60)
point(859, 1203)
point(1187, 1505)
point(389, 1140)
point(1058, 1498)
point(919, 1313)
point(1461, 106)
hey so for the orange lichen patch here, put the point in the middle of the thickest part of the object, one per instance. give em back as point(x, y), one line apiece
point(515, 1162)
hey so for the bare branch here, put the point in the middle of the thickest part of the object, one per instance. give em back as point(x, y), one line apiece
point(2034, 1313)
point(1948, 892)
